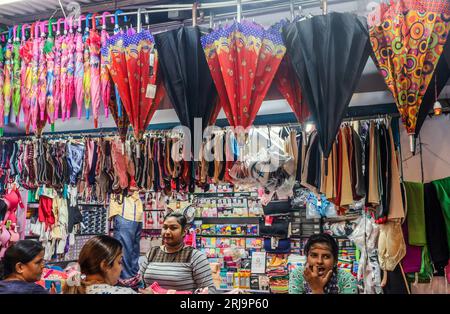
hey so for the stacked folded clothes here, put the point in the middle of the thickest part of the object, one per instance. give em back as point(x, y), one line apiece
point(278, 273)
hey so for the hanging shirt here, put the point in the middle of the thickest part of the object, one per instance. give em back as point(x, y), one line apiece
point(129, 207)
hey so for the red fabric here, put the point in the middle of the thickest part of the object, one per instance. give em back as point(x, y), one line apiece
point(45, 212)
point(14, 199)
point(289, 86)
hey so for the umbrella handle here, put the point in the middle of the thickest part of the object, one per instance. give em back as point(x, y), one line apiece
point(24, 26)
point(36, 29)
point(50, 29)
point(43, 28)
point(104, 19)
point(65, 26)
point(10, 30)
point(88, 17)
point(94, 22)
point(79, 22)
point(70, 23)
point(116, 18)
point(58, 29)
point(15, 31)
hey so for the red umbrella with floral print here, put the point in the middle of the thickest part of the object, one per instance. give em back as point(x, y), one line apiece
point(79, 68)
point(94, 55)
point(70, 40)
point(407, 38)
point(42, 75)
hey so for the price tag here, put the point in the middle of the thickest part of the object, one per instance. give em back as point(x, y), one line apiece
point(151, 91)
point(152, 59)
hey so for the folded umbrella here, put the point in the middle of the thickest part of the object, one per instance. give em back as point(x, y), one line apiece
point(26, 53)
point(7, 79)
point(70, 68)
point(79, 68)
point(64, 70)
point(42, 75)
point(57, 69)
point(87, 69)
point(34, 78)
point(16, 73)
point(104, 74)
point(94, 55)
point(50, 60)
point(2, 100)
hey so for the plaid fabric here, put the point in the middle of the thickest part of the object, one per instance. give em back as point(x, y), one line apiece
point(156, 255)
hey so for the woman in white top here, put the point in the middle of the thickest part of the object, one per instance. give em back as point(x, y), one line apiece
point(100, 263)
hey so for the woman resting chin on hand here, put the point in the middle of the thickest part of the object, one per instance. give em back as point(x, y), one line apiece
point(320, 274)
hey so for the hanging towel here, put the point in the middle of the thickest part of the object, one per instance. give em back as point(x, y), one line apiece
point(396, 207)
point(415, 213)
point(346, 187)
point(435, 226)
point(443, 194)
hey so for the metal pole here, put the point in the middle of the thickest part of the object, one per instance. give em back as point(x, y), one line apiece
point(291, 8)
point(211, 20)
point(194, 13)
point(139, 21)
point(239, 10)
point(324, 7)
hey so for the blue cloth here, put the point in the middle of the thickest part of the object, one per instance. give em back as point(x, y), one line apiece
point(20, 287)
point(128, 232)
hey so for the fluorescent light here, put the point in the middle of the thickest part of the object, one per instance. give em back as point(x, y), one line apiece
point(3, 2)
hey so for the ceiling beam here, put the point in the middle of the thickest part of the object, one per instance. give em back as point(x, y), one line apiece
point(85, 8)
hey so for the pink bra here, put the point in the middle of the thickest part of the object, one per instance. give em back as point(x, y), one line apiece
point(4, 236)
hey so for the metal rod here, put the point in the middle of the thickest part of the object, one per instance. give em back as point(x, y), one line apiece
point(324, 7)
point(194, 13)
point(291, 8)
point(211, 20)
point(139, 20)
point(239, 10)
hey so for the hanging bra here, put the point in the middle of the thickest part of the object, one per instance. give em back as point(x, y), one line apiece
point(391, 245)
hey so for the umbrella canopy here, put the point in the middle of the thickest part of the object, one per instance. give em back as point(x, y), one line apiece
point(64, 70)
point(70, 38)
point(16, 73)
point(243, 59)
point(328, 54)
point(105, 80)
point(2, 100)
point(133, 63)
point(50, 60)
point(79, 69)
point(87, 69)
point(42, 75)
point(26, 53)
point(8, 77)
point(94, 55)
point(408, 38)
point(57, 70)
point(34, 77)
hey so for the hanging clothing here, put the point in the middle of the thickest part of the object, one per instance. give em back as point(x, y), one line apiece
point(435, 227)
point(443, 193)
point(129, 207)
point(396, 207)
point(413, 257)
point(415, 213)
point(45, 212)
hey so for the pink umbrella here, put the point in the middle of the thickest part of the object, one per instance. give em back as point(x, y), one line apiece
point(104, 74)
point(79, 68)
point(70, 68)
point(42, 74)
point(94, 54)
point(57, 70)
point(64, 79)
point(1, 91)
point(26, 54)
point(87, 68)
point(4, 111)
point(50, 59)
point(34, 77)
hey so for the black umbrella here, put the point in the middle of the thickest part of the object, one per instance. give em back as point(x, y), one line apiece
point(440, 78)
point(186, 76)
point(328, 53)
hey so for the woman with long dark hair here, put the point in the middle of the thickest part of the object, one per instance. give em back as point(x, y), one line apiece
point(22, 265)
point(100, 263)
point(321, 274)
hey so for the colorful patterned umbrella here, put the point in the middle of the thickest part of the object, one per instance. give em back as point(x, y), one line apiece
point(7, 79)
point(34, 78)
point(26, 55)
point(70, 38)
point(328, 54)
point(57, 69)
point(133, 64)
point(79, 68)
point(94, 55)
point(2, 100)
point(42, 75)
point(408, 40)
point(87, 69)
point(117, 30)
point(64, 70)
point(16, 73)
point(50, 60)
point(104, 74)
point(243, 60)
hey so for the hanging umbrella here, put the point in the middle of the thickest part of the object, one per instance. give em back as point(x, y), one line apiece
point(117, 30)
point(1, 90)
point(104, 74)
point(122, 123)
point(26, 53)
point(34, 77)
point(243, 59)
point(133, 65)
point(64, 70)
point(187, 80)
point(87, 69)
point(7, 78)
point(57, 70)
point(328, 54)
point(70, 38)
point(16, 73)
point(50, 60)
point(94, 55)
point(42, 75)
point(408, 40)
point(79, 68)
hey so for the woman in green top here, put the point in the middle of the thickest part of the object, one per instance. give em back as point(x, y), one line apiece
point(320, 274)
